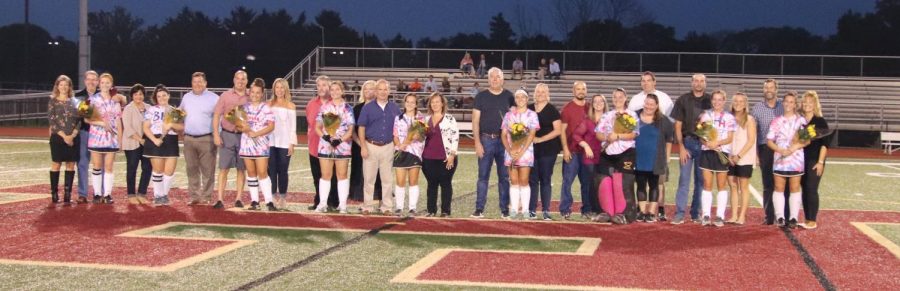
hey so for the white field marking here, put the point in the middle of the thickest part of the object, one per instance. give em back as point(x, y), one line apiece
point(858, 194)
point(756, 195)
point(892, 167)
point(41, 169)
point(884, 175)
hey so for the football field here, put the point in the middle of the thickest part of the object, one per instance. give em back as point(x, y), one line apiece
point(178, 247)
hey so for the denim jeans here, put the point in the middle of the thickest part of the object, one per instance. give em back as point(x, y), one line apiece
point(539, 181)
point(590, 203)
point(493, 153)
point(278, 169)
point(84, 161)
point(570, 170)
point(692, 144)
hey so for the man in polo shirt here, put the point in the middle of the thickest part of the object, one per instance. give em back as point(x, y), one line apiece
point(648, 86)
point(376, 128)
point(487, 116)
point(764, 112)
point(323, 83)
point(686, 113)
point(91, 80)
point(229, 139)
point(573, 113)
point(199, 149)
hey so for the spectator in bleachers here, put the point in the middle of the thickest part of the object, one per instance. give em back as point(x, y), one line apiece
point(431, 85)
point(764, 112)
point(665, 105)
point(490, 106)
point(467, 65)
point(573, 113)
point(542, 69)
point(415, 86)
point(482, 66)
point(65, 126)
point(439, 156)
point(555, 72)
point(686, 110)
point(814, 159)
point(475, 90)
point(401, 86)
point(445, 85)
point(518, 68)
point(546, 148)
point(376, 126)
point(355, 86)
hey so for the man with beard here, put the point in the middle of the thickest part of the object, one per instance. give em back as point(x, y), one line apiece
point(573, 113)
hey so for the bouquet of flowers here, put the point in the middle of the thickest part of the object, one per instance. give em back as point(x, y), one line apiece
point(238, 117)
point(88, 111)
point(331, 122)
point(707, 132)
point(625, 123)
point(175, 116)
point(416, 131)
point(805, 133)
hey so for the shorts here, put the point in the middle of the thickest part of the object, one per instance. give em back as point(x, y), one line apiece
point(168, 148)
point(228, 154)
point(623, 163)
point(741, 171)
point(709, 160)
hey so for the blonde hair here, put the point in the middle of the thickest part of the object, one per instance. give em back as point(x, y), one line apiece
point(62, 78)
point(592, 113)
point(817, 110)
point(443, 101)
point(741, 117)
point(362, 90)
point(107, 75)
point(287, 90)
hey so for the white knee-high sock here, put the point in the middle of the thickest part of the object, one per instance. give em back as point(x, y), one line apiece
point(253, 186)
point(525, 192)
point(515, 197)
point(796, 199)
point(324, 188)
point(157, 184)
point(721, 202)
point(167, 184)
point(107, 183)
point(266, 186)
point(343, 193)
point(413, 196)
point(97, 181)
point(706, 202)
point(399, 196)
point(778, 204)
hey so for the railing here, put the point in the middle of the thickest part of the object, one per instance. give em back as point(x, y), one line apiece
point(617, 61)
point(304, 70)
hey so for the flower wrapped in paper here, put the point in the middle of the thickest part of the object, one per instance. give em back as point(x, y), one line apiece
point(238, 117)
point(805, 134)
point(518, 133)
point(87, 111)
point(707, 132)
point(416, 131)
point(624, 124)
point(331, 122)
point(175, 116)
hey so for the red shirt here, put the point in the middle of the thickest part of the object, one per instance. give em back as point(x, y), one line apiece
point(572, 116)
point(227, 102)
point(312, 138)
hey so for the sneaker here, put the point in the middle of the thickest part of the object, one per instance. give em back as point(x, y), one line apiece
point(331, 209)
point(585, 216)
point(322, 209)
point(567, 216)
point(678, 220)
point(696, 220)
point(809, 225)
point(602, 217)
point(81, 200)
point(532, 216)
point(219, 205)
point(106, 200)
point(780, 222)
point(159, 201)
point(719, 222)
point(311, 207)
point(238, 204)
point(271, 207)
point(412, 213)
point(793, 223)
point(650, 218)
point(166, 199)
point(253, 205)
point(547, 216)
point(429, 214)
point(96, 199)
point(445, 215)
point(705, 221)
point(477, 214)
point(661, 217)
point(619, 219)
point(398, 213)
point(506, 216)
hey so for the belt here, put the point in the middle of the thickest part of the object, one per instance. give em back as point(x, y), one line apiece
point(197, 136)
point(230, 131)
point(378, 143)
point(491, 135)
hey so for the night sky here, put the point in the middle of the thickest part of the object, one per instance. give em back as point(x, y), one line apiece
point(436, 19)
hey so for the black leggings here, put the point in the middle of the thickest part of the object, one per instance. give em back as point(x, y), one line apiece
point(437, 175)
point(810, 184)
point(278, 169)
point(642, 179)
point(132, 159)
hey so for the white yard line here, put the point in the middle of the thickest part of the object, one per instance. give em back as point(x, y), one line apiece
point(756, 195)
point(892, 167)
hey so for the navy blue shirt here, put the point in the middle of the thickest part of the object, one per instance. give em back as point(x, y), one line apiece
point(493, 108)
point(379, 123)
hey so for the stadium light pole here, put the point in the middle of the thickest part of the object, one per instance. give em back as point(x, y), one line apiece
point(84, 41)
point(323, 33)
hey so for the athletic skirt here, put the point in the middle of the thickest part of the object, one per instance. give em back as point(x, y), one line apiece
point(741, 171)
point(788, 174)
point(404, 160)
point(168, 148)
point(709, 160)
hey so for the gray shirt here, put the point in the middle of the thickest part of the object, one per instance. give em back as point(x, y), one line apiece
point(199, 109)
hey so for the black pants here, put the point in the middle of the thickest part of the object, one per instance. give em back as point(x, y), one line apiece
point(132, 159)
point(437, 175)
point(810, 184)
point(278, 169)
point(539, 181)
point(316, 170)
point(766, 162)
point(643, 179)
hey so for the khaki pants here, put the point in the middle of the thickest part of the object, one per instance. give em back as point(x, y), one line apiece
point(380, 161)
point(200, 159)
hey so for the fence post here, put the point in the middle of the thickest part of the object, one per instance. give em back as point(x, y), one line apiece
point(641, 62)
point(821, 66)
point(603, 62)
point(678, 65)
point(743, 64)
point(782, 65)
point(392, 58)
point(428, 59)
point(717, 63)
point(861, 66)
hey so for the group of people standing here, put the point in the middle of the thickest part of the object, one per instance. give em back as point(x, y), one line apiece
point(619, 152)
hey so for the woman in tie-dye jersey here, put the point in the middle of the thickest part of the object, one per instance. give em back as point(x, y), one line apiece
point(255, 144)
point(105, 137)
point(788, 159)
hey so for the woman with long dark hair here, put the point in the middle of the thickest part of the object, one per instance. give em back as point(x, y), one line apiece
point(654, 145)
point(254, 148)
point(162, 146)
point(62, 114)
point(439, 155)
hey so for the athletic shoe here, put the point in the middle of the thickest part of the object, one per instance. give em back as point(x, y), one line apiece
point(619, 219)
point(601, 218)
point(331, 209)
point(106, 200)
point(532, 216)
point(81, 200)
point(477, 214)
point(678, 220)
point(271, 207)
point(311, 207)
point(159, 201)
point(166, 200)
point(96, 199)
point(719, 222)
point(793, 223)
point(809, 225)
point(547, 216)
point(696, 220)
point(780, 222)
point(412, 213)
point(398, 213)
point(650, 218)
point(219, 205)
point(443, 215)
point(567, 216)
point(662, 217)
point(506, 216)
point(238, 204)
point(320, 209)
point(429, 214)
point(705, 221)
point(253, 205)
